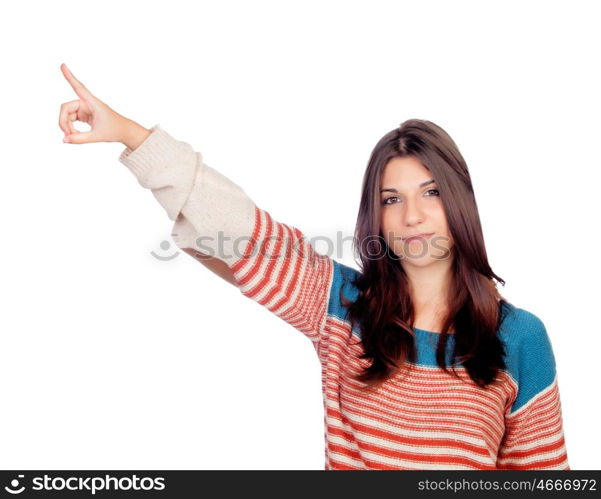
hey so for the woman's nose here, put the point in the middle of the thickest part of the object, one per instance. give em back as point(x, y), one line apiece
point(413, 213)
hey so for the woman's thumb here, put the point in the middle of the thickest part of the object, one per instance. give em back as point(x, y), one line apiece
point(78, 138)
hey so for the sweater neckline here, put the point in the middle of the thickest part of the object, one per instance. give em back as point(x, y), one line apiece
point(430, 332)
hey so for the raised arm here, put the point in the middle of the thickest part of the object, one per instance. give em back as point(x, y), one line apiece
point(215, 221)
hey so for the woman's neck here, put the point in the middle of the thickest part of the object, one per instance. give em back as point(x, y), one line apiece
point(430, 287)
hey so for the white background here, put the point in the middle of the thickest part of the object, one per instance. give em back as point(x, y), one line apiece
point(112, 359)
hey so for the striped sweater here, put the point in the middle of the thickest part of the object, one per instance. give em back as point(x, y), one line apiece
point(421, 418)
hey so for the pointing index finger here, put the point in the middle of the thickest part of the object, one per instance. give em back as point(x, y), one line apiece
point(79, 87)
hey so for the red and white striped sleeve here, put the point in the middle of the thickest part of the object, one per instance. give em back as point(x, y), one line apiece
point(281, 270)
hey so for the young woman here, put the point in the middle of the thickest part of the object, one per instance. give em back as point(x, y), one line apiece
point(424, 364)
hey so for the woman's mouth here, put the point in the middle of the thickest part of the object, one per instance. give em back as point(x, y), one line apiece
point(419, 237)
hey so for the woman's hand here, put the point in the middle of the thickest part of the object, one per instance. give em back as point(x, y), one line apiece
point(107, 125)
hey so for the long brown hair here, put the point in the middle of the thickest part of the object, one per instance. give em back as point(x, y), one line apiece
point(384, 309)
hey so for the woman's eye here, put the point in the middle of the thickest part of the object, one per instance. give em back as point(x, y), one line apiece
point(386, 201)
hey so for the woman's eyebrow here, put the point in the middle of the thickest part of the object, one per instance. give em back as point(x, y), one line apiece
point(423, 184)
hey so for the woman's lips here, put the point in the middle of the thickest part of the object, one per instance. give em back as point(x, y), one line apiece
point(418, 238)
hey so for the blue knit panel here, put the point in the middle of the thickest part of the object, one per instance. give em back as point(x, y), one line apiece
point(529, 354)
point(426, 343)
point(342, 281)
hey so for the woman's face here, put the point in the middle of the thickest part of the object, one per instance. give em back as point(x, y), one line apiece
point(410, 204)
